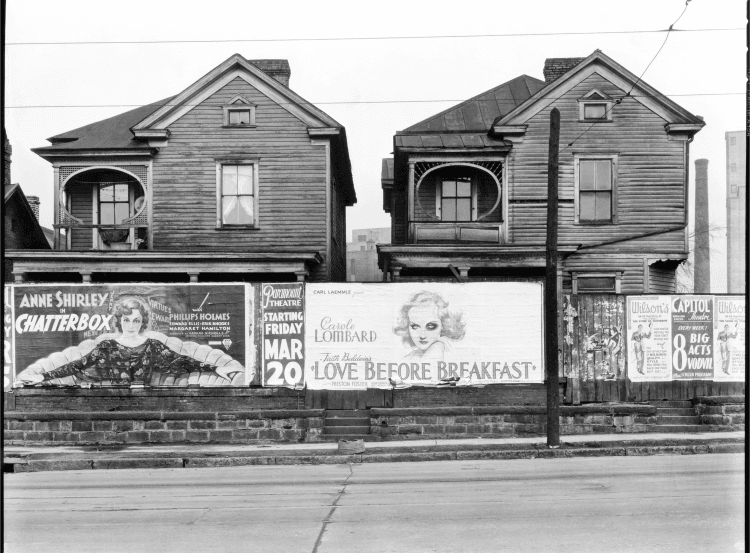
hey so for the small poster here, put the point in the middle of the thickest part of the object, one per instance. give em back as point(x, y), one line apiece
point(692, 338)
point(9, 372)
point(649, 335)
point(729, 338)
point(283, 327)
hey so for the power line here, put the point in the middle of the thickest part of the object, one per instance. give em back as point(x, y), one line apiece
point(338, 39)
point(619, 100)
point(358, 102)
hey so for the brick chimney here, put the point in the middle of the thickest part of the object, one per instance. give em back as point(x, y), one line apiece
point(556, 67)
point(277, 69)
point(34, 203)
point(702, 251)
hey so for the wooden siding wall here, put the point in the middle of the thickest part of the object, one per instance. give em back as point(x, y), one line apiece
point(661, 280)
point(398, 215)
point(338, 234)
point(595, 357)
point(631, 267)
point(292, 179)
point(650, 178)
point(80, 205)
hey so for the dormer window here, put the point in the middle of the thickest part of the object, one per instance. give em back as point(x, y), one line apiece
point(239, 112)
point(595, 107)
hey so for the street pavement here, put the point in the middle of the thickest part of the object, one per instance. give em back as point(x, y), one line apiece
point(670, 503)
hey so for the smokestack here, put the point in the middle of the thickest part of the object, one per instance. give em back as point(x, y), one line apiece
point(702, 251)
point(34, 203)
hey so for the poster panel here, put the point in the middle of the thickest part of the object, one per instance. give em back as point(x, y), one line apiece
point(133, 334)
point(729, 339)
point(692, 337)
point(649, 332)
point(283, 316)
point(9, 372)
point(426, 334)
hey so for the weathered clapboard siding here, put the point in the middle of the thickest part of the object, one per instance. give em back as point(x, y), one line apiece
point(80, 204)
point(399, 215)
point(338, 234)
point(650, 177)
point(661, 280)
point(291, 174)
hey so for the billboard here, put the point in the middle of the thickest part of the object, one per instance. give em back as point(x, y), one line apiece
point(283, 315)
point(133, 335)
point(686, 337)
point(427, 334)
point(8, 369)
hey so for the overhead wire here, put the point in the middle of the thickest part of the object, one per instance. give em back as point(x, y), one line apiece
point(628, 94)
point(337, 39)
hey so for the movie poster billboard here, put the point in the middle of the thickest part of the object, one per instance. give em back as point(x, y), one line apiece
point(729, 339)
point(692, 337)
point(649, 332)
point(423, 334)
point(8, 369)
point(136, 335)
point(283, 327)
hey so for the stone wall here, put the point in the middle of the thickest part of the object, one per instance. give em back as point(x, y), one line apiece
point(721, 410)
point(508, 421)
point(155, 427)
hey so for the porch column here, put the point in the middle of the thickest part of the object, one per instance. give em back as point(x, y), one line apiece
point(301, 276)
point(193, 277)
point(395, 273)
point(19, 278)
point(86, 277)
point(463, 272)
point(410, 213)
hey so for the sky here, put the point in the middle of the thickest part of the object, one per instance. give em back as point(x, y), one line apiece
point(377, 79)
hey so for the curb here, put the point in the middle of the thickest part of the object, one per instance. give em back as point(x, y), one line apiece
point(159, 461)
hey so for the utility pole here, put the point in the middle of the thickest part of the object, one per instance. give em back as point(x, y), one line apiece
point(550, 287)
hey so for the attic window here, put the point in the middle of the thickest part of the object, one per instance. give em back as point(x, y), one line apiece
point(239, 112)
point(595, 106)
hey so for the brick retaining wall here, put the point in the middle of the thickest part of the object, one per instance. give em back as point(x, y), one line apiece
point(507, 421)
point(721, 410)
point(142, 427)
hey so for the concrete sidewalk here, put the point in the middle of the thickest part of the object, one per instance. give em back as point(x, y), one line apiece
point(47, 458)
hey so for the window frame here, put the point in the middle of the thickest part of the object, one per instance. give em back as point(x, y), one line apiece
point(601, 99)
point(239, 103)
point(220, 163)
point(613, 158)
point(576, 276)
point(472, 198)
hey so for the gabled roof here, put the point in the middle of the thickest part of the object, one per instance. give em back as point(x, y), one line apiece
point(619, 76)
point(32, 229)
point(113, 132)
point(478, 113)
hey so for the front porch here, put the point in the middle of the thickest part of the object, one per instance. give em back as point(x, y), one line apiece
point(94, 266)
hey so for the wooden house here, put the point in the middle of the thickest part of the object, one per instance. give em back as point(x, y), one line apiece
point(468, 189)
point(235, 178)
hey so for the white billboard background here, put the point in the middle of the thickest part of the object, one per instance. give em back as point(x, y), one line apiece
point(729, 339)
point(351, 344)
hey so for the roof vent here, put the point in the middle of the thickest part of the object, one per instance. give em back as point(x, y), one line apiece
point(554, 68)
point(277, 69)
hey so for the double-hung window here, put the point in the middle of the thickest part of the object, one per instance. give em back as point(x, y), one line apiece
point(114, 203)
point(237, 194)
point(456, 199)
point(596, 189)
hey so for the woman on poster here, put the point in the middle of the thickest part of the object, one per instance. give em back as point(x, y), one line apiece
point(130, 357)
point(426, 325)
